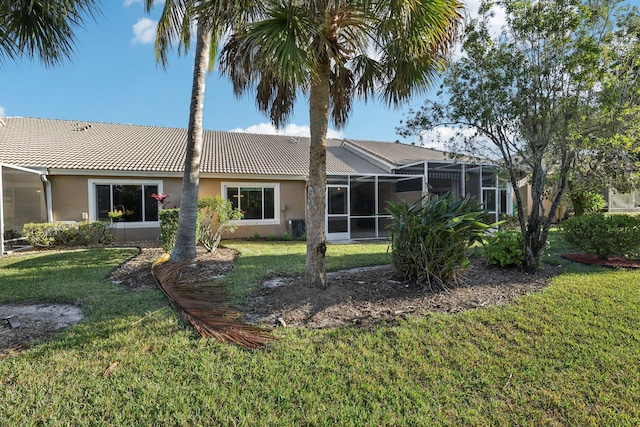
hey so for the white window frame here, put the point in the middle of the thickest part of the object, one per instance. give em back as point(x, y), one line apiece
point(129, 224)
point(263, 185)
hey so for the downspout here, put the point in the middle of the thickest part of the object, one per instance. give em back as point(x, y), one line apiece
point(463, 178)
point(48, 200)
point(1, 214)
point(425, 181)
point(497, 198)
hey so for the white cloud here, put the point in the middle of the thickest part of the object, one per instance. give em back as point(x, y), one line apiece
point(290, 130)
point(3, 112)
point(495, 23)
point(144, 31)
point(438, 138)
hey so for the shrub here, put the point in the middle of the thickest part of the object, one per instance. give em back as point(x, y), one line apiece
point(430, 238)
point(586, 202)
point(508, 222)
point(504, 248)
point(168, 227)
point(603, 235)
point(56, 234)
point(286, 237)
point(215, 215)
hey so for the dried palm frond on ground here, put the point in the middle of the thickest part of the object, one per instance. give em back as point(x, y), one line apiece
point(204, 306)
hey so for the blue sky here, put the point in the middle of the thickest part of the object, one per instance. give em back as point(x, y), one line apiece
point(114, 78)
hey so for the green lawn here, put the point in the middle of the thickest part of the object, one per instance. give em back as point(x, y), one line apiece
point(569, 355)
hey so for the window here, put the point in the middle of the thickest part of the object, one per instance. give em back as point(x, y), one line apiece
point(134, 199)
point(259, 202)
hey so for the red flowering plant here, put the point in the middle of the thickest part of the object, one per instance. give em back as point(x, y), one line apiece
point(161, 199)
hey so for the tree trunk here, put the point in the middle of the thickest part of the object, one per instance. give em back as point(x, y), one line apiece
point(315, 274)
point(185, 246)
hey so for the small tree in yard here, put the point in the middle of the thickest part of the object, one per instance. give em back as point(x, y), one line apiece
point(558, 85)
point(430, 238)
point(215, 215)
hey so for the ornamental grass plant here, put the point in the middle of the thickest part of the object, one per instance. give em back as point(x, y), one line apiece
point(430, 238)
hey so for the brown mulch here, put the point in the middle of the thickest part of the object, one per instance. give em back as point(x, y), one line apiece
point(364, 296)
point(360, 296)
point(356, 297)
point(611, 262)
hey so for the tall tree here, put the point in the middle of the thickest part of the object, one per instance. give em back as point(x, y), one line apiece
point(176, 25)
point(334, 51)
point(608, 153)
point(42, 29)
point(536, 95)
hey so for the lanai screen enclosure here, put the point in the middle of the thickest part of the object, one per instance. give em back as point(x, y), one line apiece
point(23, 195)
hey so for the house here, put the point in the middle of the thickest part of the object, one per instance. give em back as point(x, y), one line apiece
point(79, 171)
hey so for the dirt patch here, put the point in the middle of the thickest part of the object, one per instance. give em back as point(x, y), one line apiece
point(36, 321)
point(363, 296)
point(41, 321)
point(135, 274)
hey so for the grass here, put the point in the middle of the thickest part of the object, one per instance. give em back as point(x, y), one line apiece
point(260, 260)
point(568, 355)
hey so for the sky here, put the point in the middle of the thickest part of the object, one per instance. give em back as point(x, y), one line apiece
point(113, 77)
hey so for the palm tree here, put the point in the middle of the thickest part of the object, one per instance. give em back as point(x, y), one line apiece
point(41, 29)
point(334, 51)
point(175, 24)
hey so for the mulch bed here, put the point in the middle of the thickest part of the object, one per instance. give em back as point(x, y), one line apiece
point(611, 262)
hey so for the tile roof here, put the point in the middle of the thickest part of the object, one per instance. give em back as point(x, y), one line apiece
point(397, 153)
point(94, 146)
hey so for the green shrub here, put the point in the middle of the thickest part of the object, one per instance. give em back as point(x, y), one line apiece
point(254, 236)
point(603, 235)
point(215, 215)
point(508, 222)
point(504, 248)
point(168, 227)
point(586, 202)
point(430, 238)
point(63, 234)
point(286, 237)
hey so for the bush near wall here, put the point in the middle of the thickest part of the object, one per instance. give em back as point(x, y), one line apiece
point(169, 227)
point(56, 234)
point(604, 235)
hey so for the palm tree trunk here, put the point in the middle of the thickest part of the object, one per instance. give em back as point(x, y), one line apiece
point(185, 246)
point(315, 274)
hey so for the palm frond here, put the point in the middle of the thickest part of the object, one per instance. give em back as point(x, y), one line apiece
point(42, 29)
point(205, 307)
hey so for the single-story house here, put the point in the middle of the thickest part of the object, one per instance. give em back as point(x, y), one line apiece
point(62, 170)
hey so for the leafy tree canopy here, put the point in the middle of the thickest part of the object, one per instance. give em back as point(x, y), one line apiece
point(554, 91)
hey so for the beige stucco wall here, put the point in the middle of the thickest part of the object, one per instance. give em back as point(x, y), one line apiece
point(70, 198)
point(292, 205)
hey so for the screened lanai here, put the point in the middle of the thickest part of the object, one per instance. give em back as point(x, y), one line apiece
point(356, 204)
point(23, 195)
